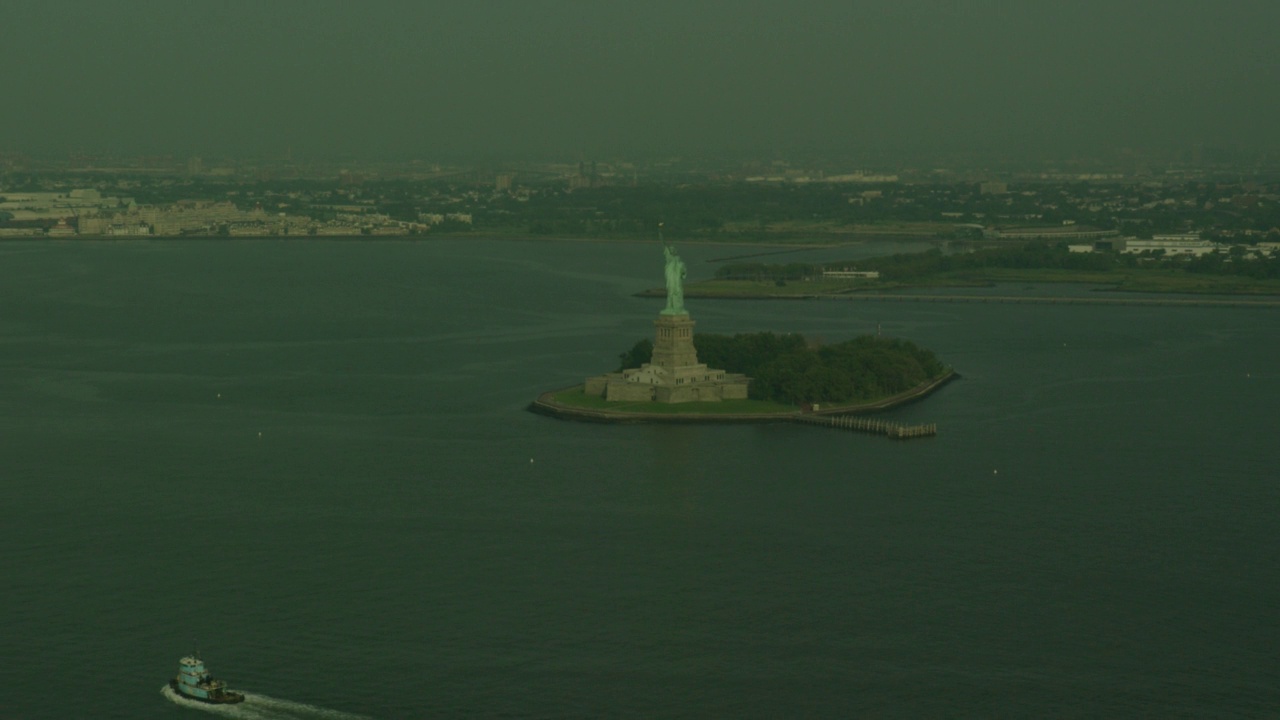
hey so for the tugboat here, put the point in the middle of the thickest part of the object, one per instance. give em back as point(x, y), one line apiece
point(195, 682)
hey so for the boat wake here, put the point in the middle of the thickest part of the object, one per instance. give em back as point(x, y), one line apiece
point(262, 707)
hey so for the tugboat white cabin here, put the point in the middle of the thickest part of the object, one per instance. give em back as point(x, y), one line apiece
point(195, 682)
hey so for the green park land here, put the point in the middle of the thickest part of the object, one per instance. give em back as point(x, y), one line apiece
point(1138, 281)
point(1216, 273)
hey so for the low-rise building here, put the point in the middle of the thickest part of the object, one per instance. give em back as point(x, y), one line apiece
point(1054, 233)
point(847, 274)
point(1172, 245)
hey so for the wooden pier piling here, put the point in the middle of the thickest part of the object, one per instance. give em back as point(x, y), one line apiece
point(892, 430)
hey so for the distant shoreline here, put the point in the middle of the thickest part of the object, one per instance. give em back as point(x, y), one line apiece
point(816, 242)
point(1251, 300)
point(1260, 295)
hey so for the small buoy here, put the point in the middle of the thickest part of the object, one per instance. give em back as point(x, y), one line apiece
point(259, 434)
point(995, 472)
point(219, 395)
point(530, 461)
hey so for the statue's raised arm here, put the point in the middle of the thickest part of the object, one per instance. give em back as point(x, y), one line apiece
point(675, 273)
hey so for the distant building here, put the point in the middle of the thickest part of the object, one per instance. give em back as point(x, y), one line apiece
point(993, 188)
point(1054, 233)
point(846, 274)
point(337, 230)
point(586, 177)
point(859, 178)
point(188, 216)
point(1172, 245)
point(61, 229)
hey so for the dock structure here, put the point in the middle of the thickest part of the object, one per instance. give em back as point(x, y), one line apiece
point(890, 429)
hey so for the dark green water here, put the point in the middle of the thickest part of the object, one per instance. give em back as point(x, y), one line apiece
point(313, 457)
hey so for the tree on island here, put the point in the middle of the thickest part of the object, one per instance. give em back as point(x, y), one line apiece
point(639, 354)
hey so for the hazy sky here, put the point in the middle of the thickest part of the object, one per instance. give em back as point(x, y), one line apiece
point(602, 78)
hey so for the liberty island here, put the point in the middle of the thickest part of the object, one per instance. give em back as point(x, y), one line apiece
point(674, 386)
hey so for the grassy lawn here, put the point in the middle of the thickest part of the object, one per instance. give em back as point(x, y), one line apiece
point(1045, 275)
point(835, 227)
point(1177, 281)
point(753, 288)
point(576, 398)
point(768, 288)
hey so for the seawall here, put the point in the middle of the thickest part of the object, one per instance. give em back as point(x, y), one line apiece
point(546, 404)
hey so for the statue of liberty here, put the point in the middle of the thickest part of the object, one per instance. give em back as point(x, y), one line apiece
point(675, 272)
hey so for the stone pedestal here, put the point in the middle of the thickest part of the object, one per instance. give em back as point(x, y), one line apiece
point(673, 343)
point(674, 374)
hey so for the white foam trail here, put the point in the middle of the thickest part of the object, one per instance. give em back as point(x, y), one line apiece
point(235, 711)
point(261, 707)
point(301, 710)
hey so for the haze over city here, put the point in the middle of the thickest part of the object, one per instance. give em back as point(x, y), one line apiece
point(610, 79)
point(639, 358)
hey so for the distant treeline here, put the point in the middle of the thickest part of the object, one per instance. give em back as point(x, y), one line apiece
point(764, 271)
point(909, 266)
point(1036, 255)
point(789, 369)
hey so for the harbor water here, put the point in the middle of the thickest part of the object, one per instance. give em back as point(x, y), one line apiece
point(313, 459)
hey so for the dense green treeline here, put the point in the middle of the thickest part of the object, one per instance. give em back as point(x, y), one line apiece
point(789, 369)
point(908, 266)
point(764, 271)
point(639, 354)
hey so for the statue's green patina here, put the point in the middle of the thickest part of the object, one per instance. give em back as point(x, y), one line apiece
point(675, 272)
